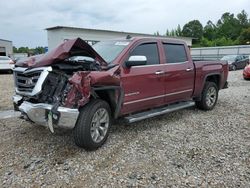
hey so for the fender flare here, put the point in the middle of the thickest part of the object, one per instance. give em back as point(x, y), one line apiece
point(120, 98)
point(212, 74)
point(197, 98)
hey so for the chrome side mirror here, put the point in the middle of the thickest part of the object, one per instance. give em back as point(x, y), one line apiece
point(136, 60)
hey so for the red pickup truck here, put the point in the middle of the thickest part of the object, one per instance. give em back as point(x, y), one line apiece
point(84, 88)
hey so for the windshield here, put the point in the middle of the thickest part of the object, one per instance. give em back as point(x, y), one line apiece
point(229, 58)
point(109, 50)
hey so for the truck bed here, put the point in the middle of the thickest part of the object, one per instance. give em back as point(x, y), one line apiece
point(206, 68)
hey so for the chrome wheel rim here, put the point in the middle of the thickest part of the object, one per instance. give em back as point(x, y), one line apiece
point(99, 125)
point(211, 96)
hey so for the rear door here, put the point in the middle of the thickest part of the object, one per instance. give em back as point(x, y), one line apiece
point(245, 59)
point(179, 73)
point(144, 85)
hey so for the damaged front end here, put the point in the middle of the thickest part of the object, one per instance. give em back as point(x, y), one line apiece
point(40, 96)
point(52, 93)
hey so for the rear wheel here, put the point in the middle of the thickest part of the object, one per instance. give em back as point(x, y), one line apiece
point(93, 124)
point(209, 96)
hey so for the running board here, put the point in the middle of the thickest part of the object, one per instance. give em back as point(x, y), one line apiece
point(158, 111)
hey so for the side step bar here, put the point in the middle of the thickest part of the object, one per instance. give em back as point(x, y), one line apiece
point(158, 111)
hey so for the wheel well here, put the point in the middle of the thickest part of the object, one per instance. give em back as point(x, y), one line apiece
point(215, 79)
point(109, 97)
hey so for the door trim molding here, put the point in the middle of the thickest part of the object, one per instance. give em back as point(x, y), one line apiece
point(158, 96)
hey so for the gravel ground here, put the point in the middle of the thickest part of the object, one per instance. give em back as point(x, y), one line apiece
point(188, 148)
point(6, 91)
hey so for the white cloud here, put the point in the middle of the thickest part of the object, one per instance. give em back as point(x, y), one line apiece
point(24, 21)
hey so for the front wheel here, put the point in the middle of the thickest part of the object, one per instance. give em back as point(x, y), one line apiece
point(209, 96)
point(234, 68)
point(93, 124)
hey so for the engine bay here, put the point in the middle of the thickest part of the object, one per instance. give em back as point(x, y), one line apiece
point(56, 85)
point(66, 83)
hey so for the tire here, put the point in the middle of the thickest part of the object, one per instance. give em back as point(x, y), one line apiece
point(209, 96)
point(246, 78)
point(234, 68)
point(89, 132)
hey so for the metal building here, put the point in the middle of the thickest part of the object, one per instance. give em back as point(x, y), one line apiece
point(215, 53)
point(6, 48)
point(58, 34)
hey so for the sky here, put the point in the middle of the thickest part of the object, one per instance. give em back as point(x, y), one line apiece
point(24, 21)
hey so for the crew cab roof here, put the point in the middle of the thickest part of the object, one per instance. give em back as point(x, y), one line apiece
point(157, 38)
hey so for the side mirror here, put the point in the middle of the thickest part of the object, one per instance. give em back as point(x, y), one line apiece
point(136, 60)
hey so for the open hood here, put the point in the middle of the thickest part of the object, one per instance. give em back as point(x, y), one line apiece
point(65, 50)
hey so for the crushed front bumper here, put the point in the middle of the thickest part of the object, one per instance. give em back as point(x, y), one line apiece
point(39, 113)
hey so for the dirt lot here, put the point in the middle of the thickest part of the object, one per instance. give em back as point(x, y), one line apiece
point(6, 91)
point(187, 148)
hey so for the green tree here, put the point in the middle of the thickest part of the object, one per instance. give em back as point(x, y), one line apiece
point(210, 31)
point(167, 33)
point(206, 42)
point(172, 33)
point(23, 50)
point(193, 29)
point(39, 50)
point(157, 33)
point(15, 50)
point(228, 30)
point(223, 41)
point(228, 26)
point(243, 19)
point(244, 37)
point(178, 31)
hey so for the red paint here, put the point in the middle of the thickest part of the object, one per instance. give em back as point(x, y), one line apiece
point(63, 51)
point(142, 87)
point(80, 91)
point(109, 77)
point(142, 83)
point(246, 72)
point(83, 80)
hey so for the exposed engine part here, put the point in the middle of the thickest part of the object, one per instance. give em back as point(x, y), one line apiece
point(53, 88)
point(70, 66)
point(67, 83)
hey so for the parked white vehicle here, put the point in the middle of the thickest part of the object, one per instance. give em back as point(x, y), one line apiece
point(6, 63)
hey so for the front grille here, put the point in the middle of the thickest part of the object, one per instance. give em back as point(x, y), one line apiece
point(27, 82)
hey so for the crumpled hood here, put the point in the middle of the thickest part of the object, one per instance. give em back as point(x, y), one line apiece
point(63, 51)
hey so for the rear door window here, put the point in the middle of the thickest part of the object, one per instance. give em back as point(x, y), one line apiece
point(239, 58)
point(149, 50)
point(175, 53)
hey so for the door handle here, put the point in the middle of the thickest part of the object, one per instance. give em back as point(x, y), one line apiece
point(159, 72)
point(189, 69)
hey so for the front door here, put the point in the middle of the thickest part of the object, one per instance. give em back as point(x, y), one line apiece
point(144, 85)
